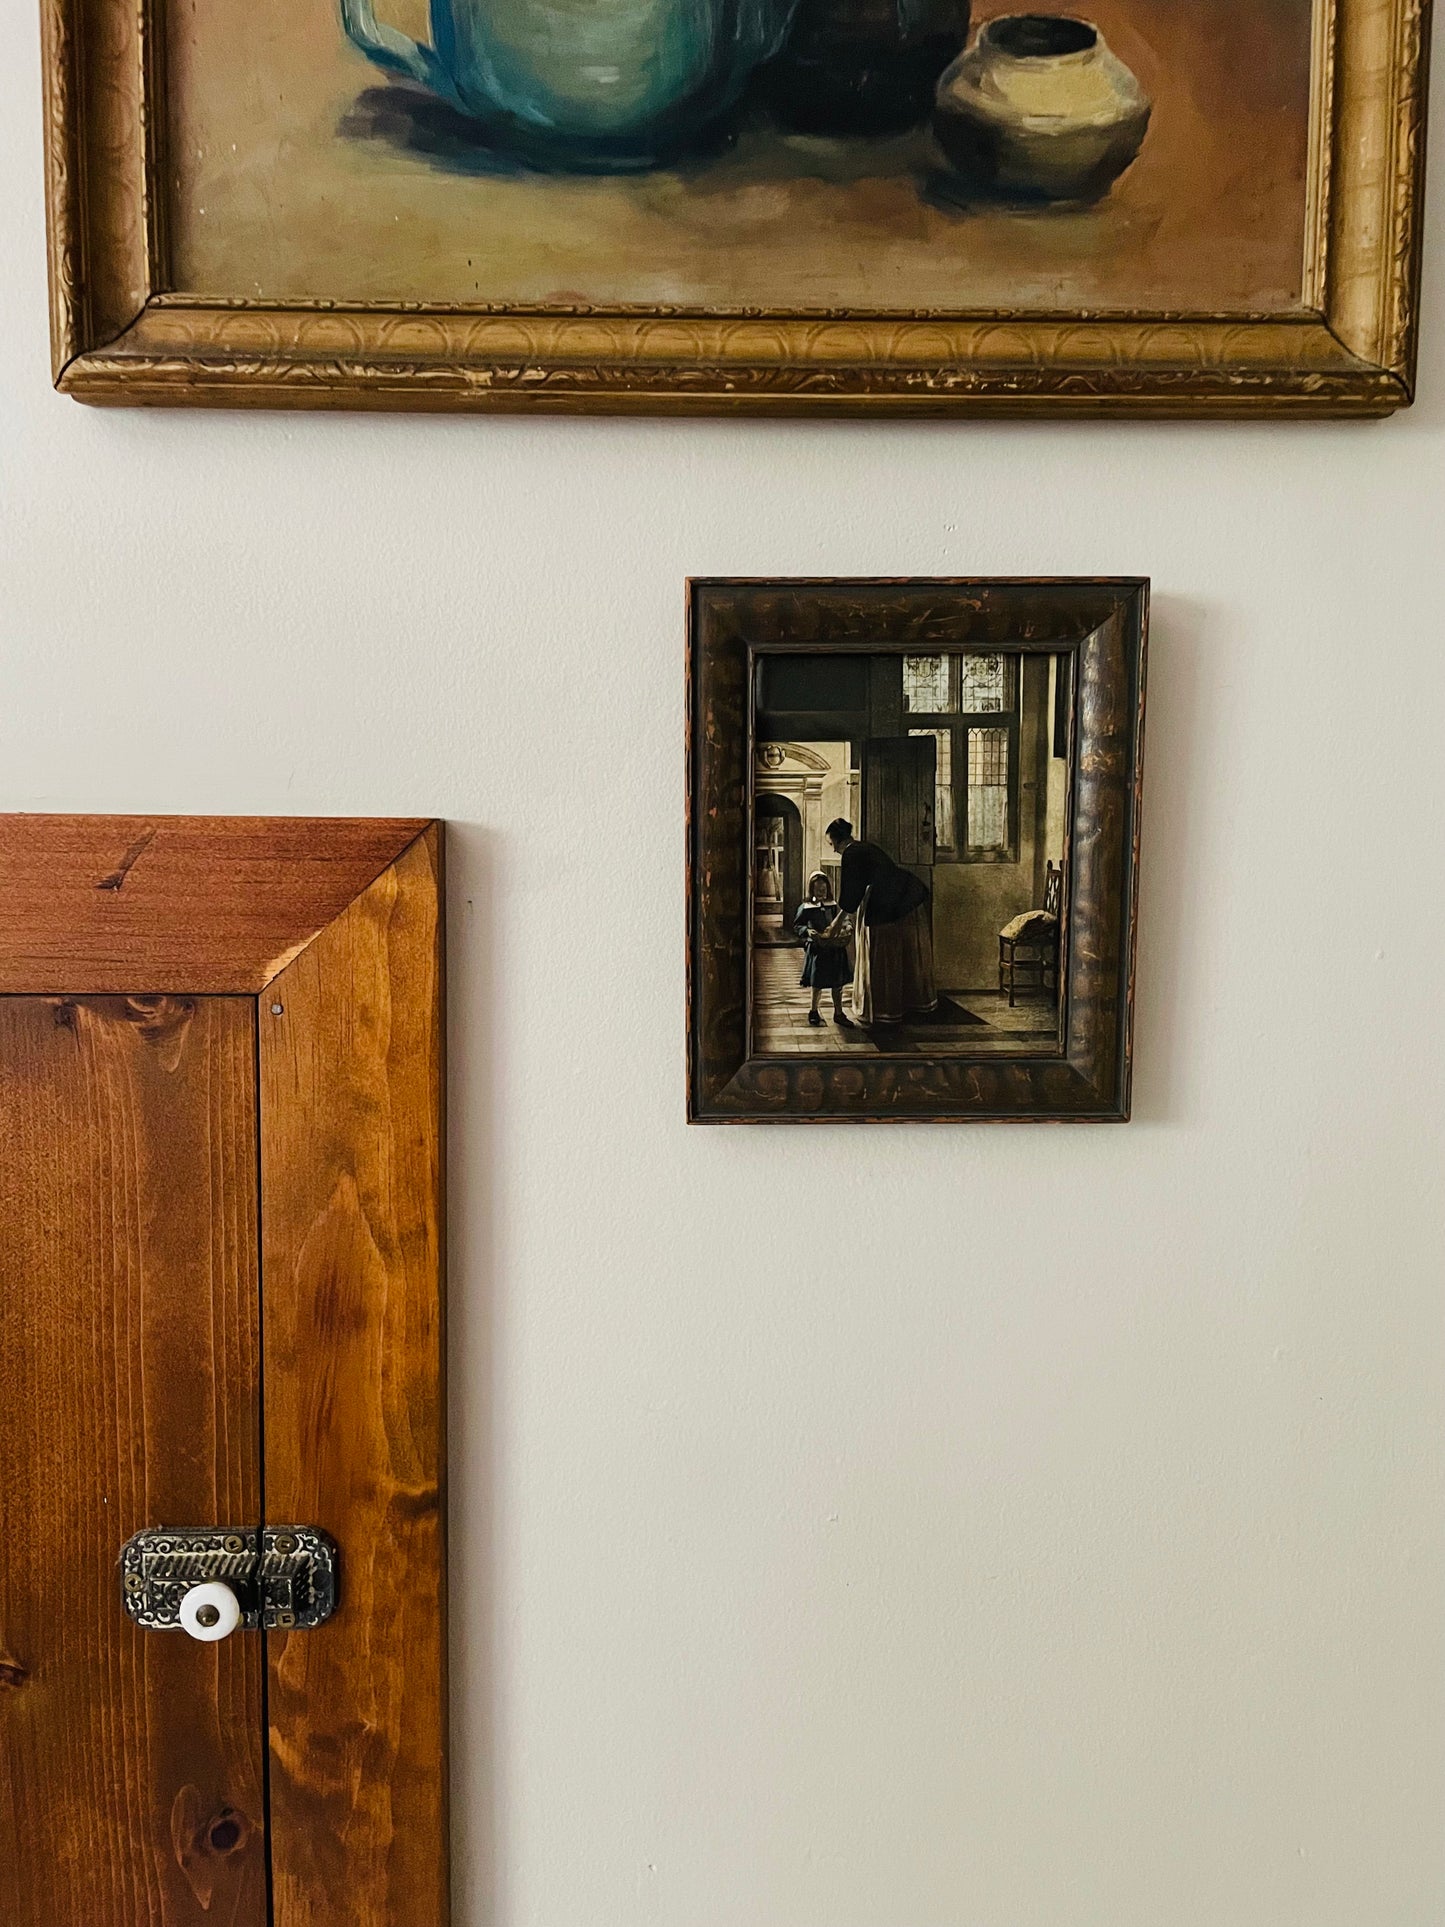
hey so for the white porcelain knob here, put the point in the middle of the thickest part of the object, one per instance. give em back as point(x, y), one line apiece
point(210, 1611)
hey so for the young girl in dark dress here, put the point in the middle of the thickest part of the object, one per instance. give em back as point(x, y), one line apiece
point(825, 965)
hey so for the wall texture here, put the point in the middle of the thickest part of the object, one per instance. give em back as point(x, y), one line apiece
point(932, 1527)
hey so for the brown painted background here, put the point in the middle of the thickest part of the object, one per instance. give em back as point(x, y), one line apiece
point(299, 172)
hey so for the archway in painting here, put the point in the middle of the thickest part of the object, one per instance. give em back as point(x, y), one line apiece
point(778, 884)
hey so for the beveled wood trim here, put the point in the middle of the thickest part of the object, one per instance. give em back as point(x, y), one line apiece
point(350, 1055)
point(1103, 624)
point(122, 335)
point(186, 904)
point(337, 924)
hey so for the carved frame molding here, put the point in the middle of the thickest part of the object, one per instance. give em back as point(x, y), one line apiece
point(122, 334)
point(1103, 624)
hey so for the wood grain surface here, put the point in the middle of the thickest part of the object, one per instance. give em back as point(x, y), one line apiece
point(130, 1762)
point(186, 904)
point(350, 1051)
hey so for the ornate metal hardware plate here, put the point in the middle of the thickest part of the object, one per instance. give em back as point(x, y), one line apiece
point(284, 1577)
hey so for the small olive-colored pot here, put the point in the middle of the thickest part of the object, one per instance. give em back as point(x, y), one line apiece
point(1038, 109)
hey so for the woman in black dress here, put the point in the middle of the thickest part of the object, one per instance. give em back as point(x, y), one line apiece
point(892, 930)
point(825, 960)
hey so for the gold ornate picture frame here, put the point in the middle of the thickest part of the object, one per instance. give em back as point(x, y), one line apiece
point(135, 321)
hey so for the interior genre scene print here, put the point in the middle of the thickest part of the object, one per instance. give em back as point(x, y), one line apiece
point(909, 891)
point(724, 156)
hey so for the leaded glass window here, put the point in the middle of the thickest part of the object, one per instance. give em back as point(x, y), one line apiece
point(988, 786)
point(945, 837)
point(926, 685)
point(983, 685)
point(969, 705)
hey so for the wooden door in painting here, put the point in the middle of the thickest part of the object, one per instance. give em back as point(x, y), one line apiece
point(899, 799)
point(220, 1089)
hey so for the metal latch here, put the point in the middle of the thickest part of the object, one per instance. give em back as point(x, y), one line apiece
point(208, 1580)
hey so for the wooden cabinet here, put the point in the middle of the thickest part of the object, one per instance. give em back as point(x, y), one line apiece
point(221, 1277)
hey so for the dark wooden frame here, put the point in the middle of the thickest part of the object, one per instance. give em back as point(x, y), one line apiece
point(1102, 626)
point(121, 331)
point(332, 931)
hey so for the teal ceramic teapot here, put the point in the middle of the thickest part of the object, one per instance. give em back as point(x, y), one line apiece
point(586, 84)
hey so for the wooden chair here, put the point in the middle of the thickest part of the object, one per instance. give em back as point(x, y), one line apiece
point(1028, 946)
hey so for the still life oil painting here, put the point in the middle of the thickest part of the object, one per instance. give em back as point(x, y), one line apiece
point(824, 154)
point(1148, 205)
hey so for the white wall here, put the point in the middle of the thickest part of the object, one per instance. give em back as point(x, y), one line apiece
point(1057, 1545)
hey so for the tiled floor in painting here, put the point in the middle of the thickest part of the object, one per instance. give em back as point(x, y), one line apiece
point(780, 1020)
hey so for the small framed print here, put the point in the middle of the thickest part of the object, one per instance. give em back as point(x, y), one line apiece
point(913, 848)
